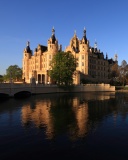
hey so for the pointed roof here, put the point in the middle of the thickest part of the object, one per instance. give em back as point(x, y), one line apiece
point(95, 45)
point(84, 36)
point(75, 33)
point(53, 36)
point(28, 47)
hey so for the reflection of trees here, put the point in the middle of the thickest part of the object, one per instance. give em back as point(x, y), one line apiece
point(64, 118)
point(70, 114)
point(98, 109)
point(122, 104)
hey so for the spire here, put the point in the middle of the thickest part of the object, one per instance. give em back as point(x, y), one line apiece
point(84, 36)
point(84, 31)
point(95, 45)
point(106, 56)
point(28, 47)
point(28, 43)
point(74, 33)
point(53, 36)
point(53, 31)
point(115, 57)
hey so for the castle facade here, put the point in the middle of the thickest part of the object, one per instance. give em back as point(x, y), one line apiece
point(92, 66)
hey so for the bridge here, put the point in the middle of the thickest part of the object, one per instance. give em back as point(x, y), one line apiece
point(12, 89)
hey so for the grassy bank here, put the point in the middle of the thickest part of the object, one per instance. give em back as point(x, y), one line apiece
point(125, 88)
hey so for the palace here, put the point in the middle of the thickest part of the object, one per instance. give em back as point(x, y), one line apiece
point(91, 67)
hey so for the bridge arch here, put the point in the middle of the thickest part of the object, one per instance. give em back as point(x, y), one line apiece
point(22, 94)
point(4, 96)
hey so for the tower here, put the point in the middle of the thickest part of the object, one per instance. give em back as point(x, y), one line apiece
point(53, 43)
point(26, 56)
point(84, 44)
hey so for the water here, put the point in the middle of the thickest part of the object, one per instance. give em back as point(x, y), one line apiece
point(64, 126)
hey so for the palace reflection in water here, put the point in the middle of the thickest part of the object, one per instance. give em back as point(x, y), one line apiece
point(66, 113)
point(92, 125)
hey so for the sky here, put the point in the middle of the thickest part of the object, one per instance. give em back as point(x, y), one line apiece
point(105, 21)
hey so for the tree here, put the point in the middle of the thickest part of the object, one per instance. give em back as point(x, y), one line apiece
point(114, 75)
point(114, 70)
point(62, 69)
point(123, 71)
point(13, 72)
point(1, 78)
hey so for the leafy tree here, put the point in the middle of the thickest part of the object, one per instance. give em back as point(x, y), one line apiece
point(13, 72)
point(123, 69)
point(1, 78)
point(114, 75)
point(63, 66)
point(114, 71)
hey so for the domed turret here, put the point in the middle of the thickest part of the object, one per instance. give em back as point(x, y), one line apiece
point(53, 43)
point(84, 37)
point(53, 36)
point(28, 50)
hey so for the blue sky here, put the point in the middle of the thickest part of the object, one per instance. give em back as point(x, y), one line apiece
point(106, 21)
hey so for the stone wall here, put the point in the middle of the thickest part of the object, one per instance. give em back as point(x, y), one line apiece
point(11, 89)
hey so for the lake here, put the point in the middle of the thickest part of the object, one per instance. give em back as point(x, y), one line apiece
point(92, 125)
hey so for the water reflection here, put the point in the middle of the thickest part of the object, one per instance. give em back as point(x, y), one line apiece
point(81, 115)
point(39, 114)
point(69, 114)
point(94, 125)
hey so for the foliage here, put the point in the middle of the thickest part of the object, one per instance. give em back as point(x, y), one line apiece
point(123, 70)
point(13, 72)
point(114, 71)
point(62, 68)
point(119, 74)
point(114, 75)
point(1, 79)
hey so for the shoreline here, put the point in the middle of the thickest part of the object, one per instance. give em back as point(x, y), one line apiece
point(121, 90)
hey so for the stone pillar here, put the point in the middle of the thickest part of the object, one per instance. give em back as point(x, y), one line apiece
point(78, 77)
point(45, 78)
point(41, 78)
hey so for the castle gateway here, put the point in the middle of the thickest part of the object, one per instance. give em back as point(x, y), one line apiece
point(91, 67)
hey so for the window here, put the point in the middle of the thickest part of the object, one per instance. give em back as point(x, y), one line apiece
point(77, 59)
point(49, 63)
